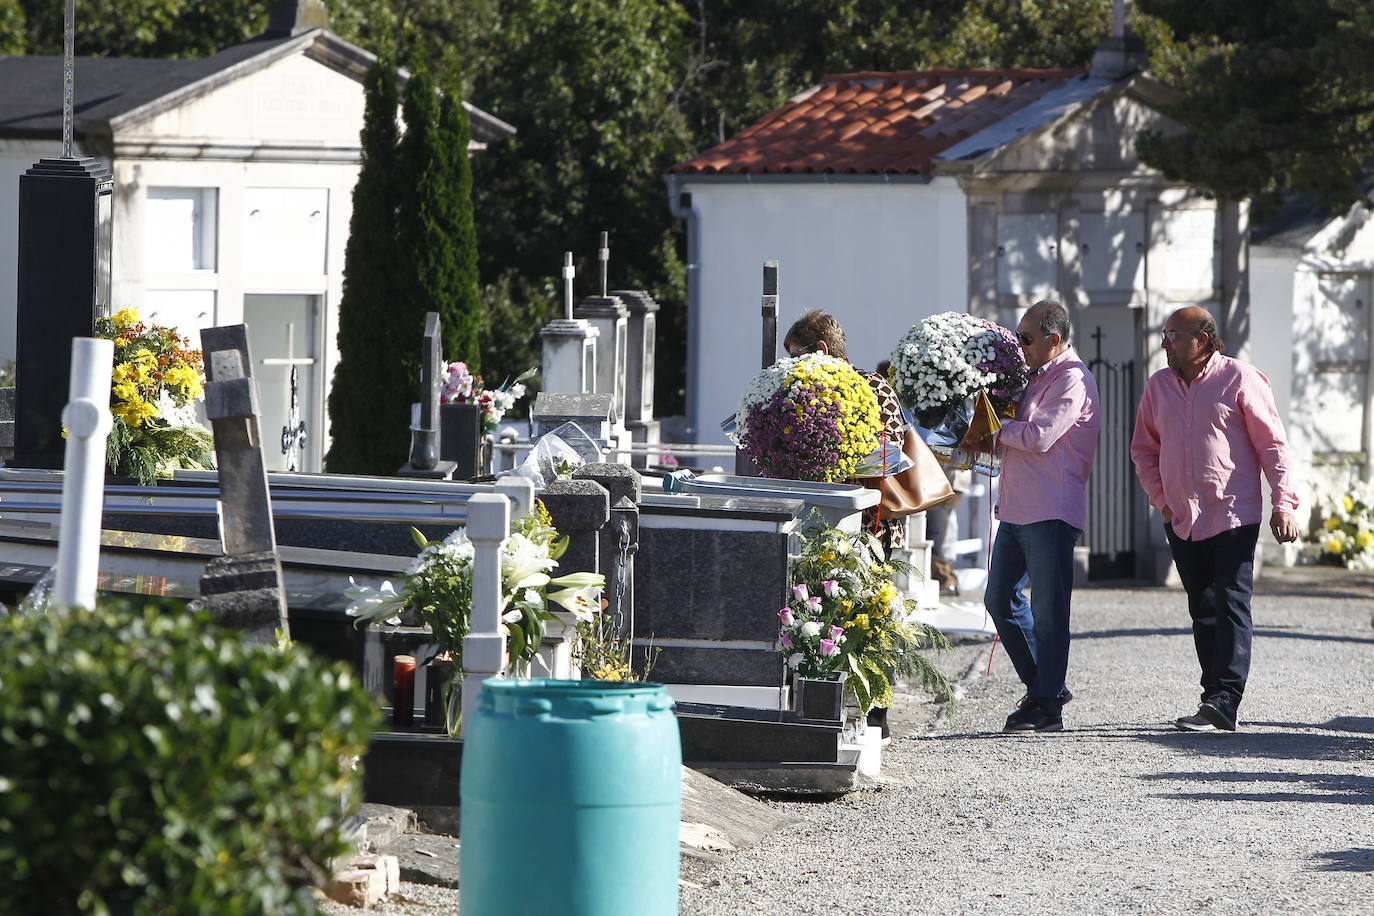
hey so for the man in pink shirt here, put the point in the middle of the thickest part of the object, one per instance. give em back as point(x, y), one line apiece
point(1205, 429)
point(1047, 454)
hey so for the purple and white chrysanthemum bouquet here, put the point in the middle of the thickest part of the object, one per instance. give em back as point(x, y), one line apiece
point(948, 358)
point(809, 417)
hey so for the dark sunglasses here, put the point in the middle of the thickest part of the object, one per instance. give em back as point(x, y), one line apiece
point(1026, 339)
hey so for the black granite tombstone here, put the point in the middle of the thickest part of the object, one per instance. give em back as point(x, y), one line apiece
point(64, 283)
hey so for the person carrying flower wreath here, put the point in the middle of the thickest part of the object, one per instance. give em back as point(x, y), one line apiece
point(818, 331)
point(1047, 455)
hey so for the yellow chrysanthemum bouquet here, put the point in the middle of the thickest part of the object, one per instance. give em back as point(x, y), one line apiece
point(157, 379)
point(1346, 536)
point(809, 417)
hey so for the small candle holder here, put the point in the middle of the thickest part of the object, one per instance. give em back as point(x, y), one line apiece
point(403, 705)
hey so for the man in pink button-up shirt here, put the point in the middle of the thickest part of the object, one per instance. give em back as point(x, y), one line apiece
point(1047, 454)
point(1205, 430)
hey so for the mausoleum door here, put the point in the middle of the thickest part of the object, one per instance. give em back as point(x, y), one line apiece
point(1340, 395)
point(282, 332)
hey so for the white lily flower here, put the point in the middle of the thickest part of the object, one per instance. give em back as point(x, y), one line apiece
point(524, 564)
point(371, 605)
point(514, 616)
point(583, 602)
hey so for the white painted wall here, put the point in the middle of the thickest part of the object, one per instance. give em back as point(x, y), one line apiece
point(1302, 319)
point(294, 99)
point(880, 257)
point(276, 152)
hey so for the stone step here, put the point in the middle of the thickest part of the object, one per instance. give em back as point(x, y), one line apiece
point(716, 733)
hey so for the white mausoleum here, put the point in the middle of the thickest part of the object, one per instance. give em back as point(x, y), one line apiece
point(233, 183)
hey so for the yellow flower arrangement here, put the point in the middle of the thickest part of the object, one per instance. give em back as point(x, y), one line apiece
point(811, 417)
point(155, 383)
point(1346, 536)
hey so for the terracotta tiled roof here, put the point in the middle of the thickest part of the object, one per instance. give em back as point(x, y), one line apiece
point(876, 123)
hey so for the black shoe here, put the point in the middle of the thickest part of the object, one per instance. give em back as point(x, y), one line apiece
point(1033, 717)
point(1065, 696)
point(1194, 724)
point(1220, 711)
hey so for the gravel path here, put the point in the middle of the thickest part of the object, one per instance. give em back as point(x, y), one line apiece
point(1120, 813)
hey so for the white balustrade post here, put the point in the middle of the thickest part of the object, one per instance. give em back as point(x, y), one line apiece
point(484, 648)
point(521, 493)
point(87, 420)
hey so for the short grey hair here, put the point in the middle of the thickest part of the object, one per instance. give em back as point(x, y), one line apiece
point(1053, 319)
point(1208, 325)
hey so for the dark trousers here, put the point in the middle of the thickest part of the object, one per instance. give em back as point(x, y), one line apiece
point(1218, 573)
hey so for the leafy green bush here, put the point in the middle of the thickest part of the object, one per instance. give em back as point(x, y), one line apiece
point(151, 762)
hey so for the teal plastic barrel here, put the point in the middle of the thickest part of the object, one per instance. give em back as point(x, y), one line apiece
point(571, 795)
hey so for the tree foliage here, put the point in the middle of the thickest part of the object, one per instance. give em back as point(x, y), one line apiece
point(591, 86)
point(1274, 98)
point(368, 403)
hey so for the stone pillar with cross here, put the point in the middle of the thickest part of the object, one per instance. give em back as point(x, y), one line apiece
point(569, 363)
point(639, 371)
point(609, 315)
point(65, 224)
point(424, 427)
point(243, 588)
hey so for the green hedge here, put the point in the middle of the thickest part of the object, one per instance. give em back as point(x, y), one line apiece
point(154, 763)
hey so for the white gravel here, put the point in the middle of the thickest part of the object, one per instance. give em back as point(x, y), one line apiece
point(1120, 813)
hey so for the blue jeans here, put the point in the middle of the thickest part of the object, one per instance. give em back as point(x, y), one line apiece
point(1035, 632)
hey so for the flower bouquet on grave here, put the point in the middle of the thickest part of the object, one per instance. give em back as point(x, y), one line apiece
point(460, 386)
point(846, 619)
point(156, 380)
point(952, 371)
point(437, 589)
point(809, 417)
point(1346, 537)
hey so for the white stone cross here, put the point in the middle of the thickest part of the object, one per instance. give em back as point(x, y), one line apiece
point(293, 434)
point(87, 420)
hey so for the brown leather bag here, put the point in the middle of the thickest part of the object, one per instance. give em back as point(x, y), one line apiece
point(920, 487)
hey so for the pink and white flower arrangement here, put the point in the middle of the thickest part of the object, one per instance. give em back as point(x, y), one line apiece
point(845, 619)
point(460, 386)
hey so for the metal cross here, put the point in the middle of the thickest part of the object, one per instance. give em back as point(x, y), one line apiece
point(68, 75)
point(568, 273)
point(770, 313)
point(603, 255)
point(293, 434)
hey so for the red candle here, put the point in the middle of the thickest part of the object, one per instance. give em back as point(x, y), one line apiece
point(403, 707)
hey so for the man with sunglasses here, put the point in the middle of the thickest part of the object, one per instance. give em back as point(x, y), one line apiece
point(1205, 429)
point(1047, 454)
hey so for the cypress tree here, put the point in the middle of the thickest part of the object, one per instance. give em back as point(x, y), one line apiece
point(370, 397)
point(427, 265)
point(462, 322)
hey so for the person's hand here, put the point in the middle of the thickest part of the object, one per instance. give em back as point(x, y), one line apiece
point(1284, 526)
point(1167, 514)
point(981, 444)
